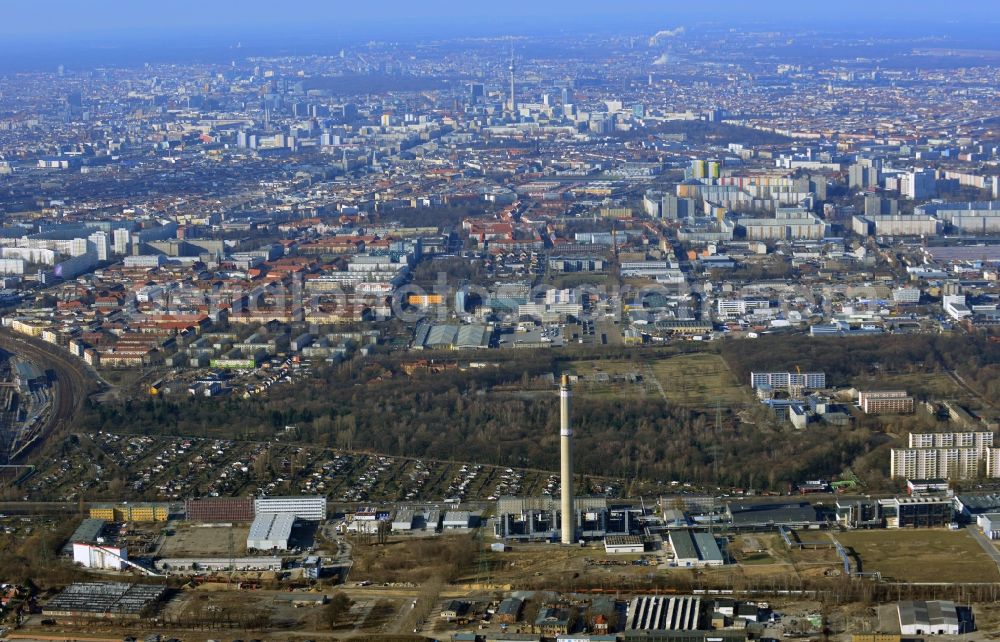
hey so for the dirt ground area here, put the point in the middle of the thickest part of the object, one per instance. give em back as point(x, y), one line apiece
point(205, 541)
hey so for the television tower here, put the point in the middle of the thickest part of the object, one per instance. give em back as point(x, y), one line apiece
point(566, 463)
point(513, 102)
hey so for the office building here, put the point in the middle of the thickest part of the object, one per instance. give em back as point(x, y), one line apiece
point(307, 507)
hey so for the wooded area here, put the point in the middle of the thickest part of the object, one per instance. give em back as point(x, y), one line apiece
point(508, 414)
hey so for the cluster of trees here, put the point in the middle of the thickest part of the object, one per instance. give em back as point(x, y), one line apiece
point(845, 359)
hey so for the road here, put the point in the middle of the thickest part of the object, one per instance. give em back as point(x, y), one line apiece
point(987, 545)
point(74, 380)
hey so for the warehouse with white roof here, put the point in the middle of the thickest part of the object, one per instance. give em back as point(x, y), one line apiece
point(271, 531)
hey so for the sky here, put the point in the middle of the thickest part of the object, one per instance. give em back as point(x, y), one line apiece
point(42, 34)
point(34, 20)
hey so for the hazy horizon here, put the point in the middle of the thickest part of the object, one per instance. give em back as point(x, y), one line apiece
point(120, 33)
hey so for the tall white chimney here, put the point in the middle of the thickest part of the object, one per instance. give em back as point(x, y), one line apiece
point(566, 463)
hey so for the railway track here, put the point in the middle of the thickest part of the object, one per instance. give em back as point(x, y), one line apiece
point(73, 382)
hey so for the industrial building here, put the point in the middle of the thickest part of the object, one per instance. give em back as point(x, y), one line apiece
point(539, 518)
point(219, 509)
point(623, 544)
point(105, 600)
point(770, 516)
point(457, 519)
point(89, 531)
point(989, 524)
point(937, 617)
point(917, 512)
point(885, 402)
point(403, 521)
point(307, 507)
point(271, 531)
point(652, 613)
point(694, 549)
point(859, 513)
point(109, 558)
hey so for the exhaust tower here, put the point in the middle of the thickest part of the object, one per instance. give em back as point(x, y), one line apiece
point(566, 463)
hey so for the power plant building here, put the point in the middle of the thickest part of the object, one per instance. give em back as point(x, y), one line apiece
point(534, 519)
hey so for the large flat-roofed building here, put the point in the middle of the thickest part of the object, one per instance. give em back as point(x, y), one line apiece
point(659, 613)
point(219, 509)
point(403, 521)
point(271, 531)
point(308, 507)
point(93, 600)
point(692, 548)
point(769, 516)
point(787, 380)
point(937, 617)
point(884, 402)
point(125, 512)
